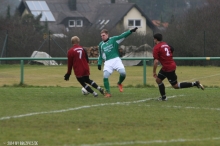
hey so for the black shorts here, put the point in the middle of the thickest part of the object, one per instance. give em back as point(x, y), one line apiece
point(171, 76)
point(83, 80)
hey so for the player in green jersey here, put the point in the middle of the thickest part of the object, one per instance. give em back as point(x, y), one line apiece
point(108, 51)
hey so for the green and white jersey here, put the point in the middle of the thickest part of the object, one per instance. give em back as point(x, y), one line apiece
point(109, 49)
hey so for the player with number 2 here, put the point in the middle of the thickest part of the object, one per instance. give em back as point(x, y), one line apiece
point(163, 53)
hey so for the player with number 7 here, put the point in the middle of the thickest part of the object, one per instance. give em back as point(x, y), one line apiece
point(78, 61)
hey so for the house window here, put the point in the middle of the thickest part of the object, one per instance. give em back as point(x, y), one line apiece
point(134, 23)
point(71, 23)
point(79, 23)
point(75, 23)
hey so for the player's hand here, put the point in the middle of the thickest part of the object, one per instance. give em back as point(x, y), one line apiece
point(66, 77)
point(99, 67)
point(155, 75)
point(134, 29)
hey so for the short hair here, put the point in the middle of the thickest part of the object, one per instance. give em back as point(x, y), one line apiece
point(75, 40)
point(104, 31)
point(158, 36)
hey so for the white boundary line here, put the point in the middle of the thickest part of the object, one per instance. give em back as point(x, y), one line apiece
point(204, 77)
point(119, 103)
point(198, 108)
point(147, 142)
point(77, 108)
point(99, 105)
point(194, 79)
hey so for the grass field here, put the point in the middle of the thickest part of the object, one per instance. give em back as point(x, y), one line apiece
point(54, 112)
point(38, 75)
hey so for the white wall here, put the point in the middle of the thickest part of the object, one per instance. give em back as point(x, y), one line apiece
point(135, 14)
point(25, 12)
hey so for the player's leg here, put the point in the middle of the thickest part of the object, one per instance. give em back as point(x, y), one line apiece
point(122, 73)
point(82, 81)
point(121, 78)
point(172, 77)
point(188, 85)
point(106, 75)
point(198, 85)
point(160, 77)
point(93, 84)
point(107, 71)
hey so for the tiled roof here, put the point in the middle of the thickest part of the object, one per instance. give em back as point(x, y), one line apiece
point(111, 14)
point(94, 11)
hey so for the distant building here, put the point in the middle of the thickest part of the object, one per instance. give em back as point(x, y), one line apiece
point(66, 15)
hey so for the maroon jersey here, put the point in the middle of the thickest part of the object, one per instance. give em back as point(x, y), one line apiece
point(163, 53)
point(78, 60)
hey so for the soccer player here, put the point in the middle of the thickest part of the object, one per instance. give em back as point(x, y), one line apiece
point(108, 50)
point(163, 53)
point(78, 61)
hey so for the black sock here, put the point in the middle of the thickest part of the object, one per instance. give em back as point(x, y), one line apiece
point(162, 89)
point(94, 85)
point(185, 85)
point(88, 89)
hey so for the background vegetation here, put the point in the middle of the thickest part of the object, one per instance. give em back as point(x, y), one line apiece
point(166, 10)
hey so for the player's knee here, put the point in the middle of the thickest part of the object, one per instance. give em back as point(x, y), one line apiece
point(91, 82)
point(175, 86)
point(122, 72)
point(159, 81)
point(106, 74)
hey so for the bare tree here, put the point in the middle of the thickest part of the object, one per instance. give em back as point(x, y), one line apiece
point(24, 34)
point(196, 33)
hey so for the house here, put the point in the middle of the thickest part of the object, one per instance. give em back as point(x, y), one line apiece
point(123, 16)
point(66, 15)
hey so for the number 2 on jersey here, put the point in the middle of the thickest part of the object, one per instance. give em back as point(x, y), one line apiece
point(167, 51)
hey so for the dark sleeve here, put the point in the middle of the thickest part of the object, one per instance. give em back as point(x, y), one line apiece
point(172, 49)
point(87, 58)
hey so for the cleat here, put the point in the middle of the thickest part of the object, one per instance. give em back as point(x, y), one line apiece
point(120, 87)
point(164, 98)
point(108, 95)
point(95, 94)
point(197, 83)
point(102, 91)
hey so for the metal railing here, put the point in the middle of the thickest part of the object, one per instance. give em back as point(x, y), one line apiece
point(144, 59)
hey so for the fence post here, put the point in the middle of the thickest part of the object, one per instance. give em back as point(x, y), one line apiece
point(204, 47)
point(204, 43)
point(144, 71)
point(49, 46)
point(5, 44)
point(22, 72)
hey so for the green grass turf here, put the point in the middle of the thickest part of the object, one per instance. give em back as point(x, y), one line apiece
point(63, 116)
point(38, 75)
point(51, 111)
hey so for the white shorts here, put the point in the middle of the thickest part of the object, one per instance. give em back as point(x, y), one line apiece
point(113, 64)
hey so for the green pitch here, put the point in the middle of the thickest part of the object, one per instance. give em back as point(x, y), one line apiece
point(49, 111)
point(38, 75)
point(63, 116)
